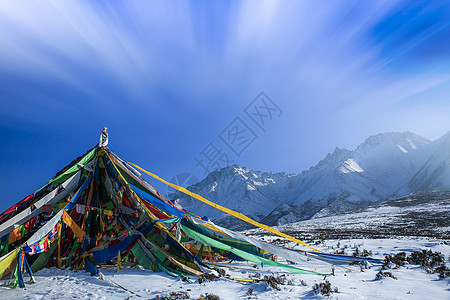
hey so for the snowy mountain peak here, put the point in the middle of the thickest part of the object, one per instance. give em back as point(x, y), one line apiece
point(331, 160)
point(233, 170)
point(400, 142)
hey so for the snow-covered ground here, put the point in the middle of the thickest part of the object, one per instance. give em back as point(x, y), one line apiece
point(412, 281)
point(412, 223)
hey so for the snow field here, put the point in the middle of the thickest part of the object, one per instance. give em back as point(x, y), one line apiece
point(412, 281)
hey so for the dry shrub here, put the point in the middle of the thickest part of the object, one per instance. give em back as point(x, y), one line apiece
point(382, 274)
point(324, 288)
point(211, 297)
point(398, 259)
point(432, 262)
point(207, 277)
point(275, 281)
point(221, 271)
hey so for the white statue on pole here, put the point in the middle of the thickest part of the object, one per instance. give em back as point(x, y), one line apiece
point(103, 138)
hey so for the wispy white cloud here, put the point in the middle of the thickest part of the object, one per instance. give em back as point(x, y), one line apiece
point(49, 37)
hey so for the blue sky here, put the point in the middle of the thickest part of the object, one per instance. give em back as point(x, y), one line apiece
point(168, 77)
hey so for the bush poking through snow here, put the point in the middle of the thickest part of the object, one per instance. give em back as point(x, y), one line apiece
point(443, 271)
point(363, 253)
point(382, 274)
point(361, 264)
point(206, 277)
point(339, 251)
point(250, 294)
point(275, 281)
point(220, 271)
point(255, 275)
point(398, 259)
point(302, 282)
point(210, 297)
point(324, 288)
point(432, 262)
point(174, 296)
point(426, 259)
point(179, 295)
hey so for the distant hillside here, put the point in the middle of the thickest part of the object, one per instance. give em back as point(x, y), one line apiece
point(425, 214)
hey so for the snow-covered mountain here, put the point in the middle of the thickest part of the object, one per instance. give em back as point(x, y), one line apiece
point(384, 166)
point(254, 193)
point(435, 173)
point(377, 170)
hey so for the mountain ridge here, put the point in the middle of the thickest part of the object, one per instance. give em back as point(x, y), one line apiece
point(383, 167)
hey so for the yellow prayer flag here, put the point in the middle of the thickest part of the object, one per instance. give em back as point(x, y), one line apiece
point(7, 261)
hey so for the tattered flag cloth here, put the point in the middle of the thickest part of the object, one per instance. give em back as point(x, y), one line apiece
point(21, 231)
point(45, 229)
point(72, 170)
point(6, 214)
point(247, 256)
point(36, 206)
point(6, 262)
point(43, 244)
point(147, 197)
point(90, 267)
point(338, 259)
point(77, 231)
point(22, 267)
